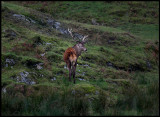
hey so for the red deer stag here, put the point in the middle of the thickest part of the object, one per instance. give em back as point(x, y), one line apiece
point(72, 53)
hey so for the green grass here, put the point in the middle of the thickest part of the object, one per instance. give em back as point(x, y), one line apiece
point(99, 28)
point(105, 90)
point(145, 31)
point(19, 9)
point(108, 13)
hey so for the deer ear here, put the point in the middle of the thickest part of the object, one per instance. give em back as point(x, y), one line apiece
point(84, 42)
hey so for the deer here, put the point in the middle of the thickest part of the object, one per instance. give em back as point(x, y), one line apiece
point(71, 55)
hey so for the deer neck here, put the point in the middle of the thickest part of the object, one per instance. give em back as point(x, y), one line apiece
point(78, 52)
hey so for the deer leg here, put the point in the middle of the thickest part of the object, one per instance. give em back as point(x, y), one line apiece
point(74, 71)
point(70, 72)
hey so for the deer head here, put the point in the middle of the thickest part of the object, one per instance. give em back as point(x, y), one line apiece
point(80, 43)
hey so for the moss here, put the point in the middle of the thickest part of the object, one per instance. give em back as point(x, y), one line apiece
point(120, 82)
point(61, 64)
point(84, 88)
point(14, 7)
point(53, 57)
point(45, 89)
point(37, 41)
point(6, 82)
point(10, 55)
point(30, 62)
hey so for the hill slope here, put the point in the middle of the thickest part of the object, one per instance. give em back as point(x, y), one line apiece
point(117, 76)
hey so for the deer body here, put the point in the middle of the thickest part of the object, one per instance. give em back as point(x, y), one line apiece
point(71, 55)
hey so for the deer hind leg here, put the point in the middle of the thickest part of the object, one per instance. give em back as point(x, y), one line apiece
point(74, 71)
point(70, 72)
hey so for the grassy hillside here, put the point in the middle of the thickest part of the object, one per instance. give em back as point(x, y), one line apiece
point(139, 18)
point(118, 75)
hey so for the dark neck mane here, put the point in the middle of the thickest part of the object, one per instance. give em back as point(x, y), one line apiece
point(78, 52)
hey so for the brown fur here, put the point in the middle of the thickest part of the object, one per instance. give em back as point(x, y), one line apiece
point(70, 54)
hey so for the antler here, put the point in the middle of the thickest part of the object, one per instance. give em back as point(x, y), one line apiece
point(83, 40)
point(70, 31)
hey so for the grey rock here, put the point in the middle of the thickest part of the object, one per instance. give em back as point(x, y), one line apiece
point(10, 34)
point(62, 31)
point(86, 94)
point(32, 21)
point(39, 66)
point(86, 65)
point(22, 17)
point(97, 92)
point(4, 90)
point(24, 74)
point(32, 83)
point(6, 65)
point(94, 22)
point(78, 36)
point(48, 43)
point(149, 66)
point(42, 54)
point(109, 64)
point(83, 74)
point(23, 77)
point(53, 79)
point(65, 67)
point(81, 79)
point(50, 22)
point(9, 62)
point(73, 92)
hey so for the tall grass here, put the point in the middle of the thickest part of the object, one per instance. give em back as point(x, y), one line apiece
point(140, 99)
point(55, 104)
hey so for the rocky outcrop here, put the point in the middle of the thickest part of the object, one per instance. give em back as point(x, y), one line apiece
point(23, 77)
point(24, 18)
